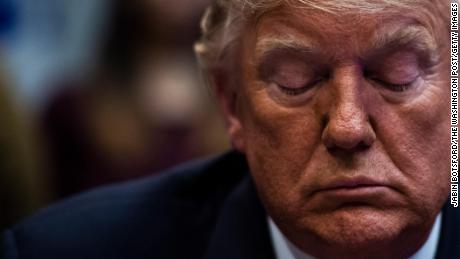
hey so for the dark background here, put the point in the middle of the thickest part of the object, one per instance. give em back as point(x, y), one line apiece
point(95, 92)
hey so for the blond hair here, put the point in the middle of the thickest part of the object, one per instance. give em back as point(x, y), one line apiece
point(222, 20)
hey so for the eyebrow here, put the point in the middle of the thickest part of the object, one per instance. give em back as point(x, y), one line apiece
point(268, 49)
point(286, 42)
point(413, 37)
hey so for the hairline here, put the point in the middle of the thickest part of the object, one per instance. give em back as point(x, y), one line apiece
point(228, 34)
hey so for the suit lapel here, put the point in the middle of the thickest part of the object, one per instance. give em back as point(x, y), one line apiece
point(241, 230)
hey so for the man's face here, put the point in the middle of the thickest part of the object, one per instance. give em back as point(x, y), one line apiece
point(344, 120)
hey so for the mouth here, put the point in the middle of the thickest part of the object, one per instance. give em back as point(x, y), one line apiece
point(353, 191)
point(350, 183)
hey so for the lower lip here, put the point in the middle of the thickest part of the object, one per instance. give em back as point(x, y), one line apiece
point(350, 197)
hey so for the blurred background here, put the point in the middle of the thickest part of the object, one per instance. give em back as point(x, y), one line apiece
point(95, 92)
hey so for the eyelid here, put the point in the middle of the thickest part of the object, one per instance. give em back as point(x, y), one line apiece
point(300, 90)
point(390, 81)
point(293, 91)
point(396, 79)
point(396, 87)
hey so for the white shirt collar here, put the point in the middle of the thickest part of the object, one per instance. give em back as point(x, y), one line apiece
point(284, 249)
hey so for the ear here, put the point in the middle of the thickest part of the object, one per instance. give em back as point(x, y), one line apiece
point(225, 90)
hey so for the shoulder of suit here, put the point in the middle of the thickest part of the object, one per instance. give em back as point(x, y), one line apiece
point(139, 214)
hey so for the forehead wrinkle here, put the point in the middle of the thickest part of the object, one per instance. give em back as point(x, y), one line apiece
point(408, 32)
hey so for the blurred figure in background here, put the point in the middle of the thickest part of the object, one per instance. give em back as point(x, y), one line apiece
point(21, 184)
point(22, 188)
point(142, 109)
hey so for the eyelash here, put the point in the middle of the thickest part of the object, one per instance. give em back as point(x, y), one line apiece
point(293, 91)
point(395, 87)
point(298, 91)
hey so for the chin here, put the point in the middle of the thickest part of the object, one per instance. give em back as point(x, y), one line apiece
point(364, 232)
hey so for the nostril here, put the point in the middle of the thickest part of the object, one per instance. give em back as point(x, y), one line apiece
point(337, 150)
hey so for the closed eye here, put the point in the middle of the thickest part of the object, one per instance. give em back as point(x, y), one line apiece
point(395, 87)
point(299, 90)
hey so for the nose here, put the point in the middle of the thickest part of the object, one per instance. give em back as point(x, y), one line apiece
point(348, 125)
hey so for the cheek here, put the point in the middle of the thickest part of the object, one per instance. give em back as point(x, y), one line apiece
point(280, 142)
point(416, 136)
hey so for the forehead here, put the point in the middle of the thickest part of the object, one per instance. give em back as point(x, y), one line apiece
point(348, 30)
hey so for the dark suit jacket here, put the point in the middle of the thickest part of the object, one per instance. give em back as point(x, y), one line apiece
point(207, 209)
